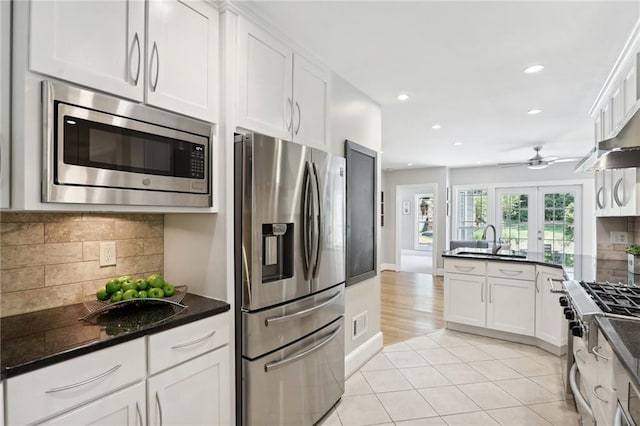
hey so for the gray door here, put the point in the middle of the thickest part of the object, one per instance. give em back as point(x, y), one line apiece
point(273, 181)
point(329, 269)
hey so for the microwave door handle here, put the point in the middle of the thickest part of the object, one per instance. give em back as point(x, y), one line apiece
point(305, 221)
point(319, 212)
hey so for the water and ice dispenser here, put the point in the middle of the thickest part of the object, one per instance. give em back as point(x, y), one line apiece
point(277, 251)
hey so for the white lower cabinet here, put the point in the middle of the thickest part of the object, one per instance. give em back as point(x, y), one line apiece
point(511, 305)
point(193, 393)
point(122, 408)
point(551, 325)
point(464, 299)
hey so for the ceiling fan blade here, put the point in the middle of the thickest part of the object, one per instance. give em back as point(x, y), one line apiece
point(551, 159)
point(512, 164)
point(566, 160)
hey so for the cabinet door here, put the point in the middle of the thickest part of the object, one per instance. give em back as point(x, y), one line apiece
point(311, 100)
point(92, 43)
point(193, 393)
point(603, 193)
point(265, 85)
point(630, 91)
point(511, 305)
point(607, 121)
point(464, 297)
point(617, 109)
point(182, 58)
point(125, 408)
point(551, 325)
point(5, 87)
point(624, 191)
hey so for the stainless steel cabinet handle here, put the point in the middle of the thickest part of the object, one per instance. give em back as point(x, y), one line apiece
point(580, 401)
point(85, 382)
point(490, 288)
point(537, 288)
point(599, 355)
point(277, 364)
point(159, 408)
point(201, 339)
point(509, 272)
point(139, 414)
point(599, 204)
point(299, 117)
point(136, 43)
point(580, 358)
point(154, 51)
point(482, 292)
point(271, 320)
point(464, 268)
point(550, 280)
point(616, 195)
point(595, 393)
point(290, 105)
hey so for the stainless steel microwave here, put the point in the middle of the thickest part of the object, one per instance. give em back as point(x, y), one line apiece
point(99, 149)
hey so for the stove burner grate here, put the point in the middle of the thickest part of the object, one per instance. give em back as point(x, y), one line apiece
point(617, 299)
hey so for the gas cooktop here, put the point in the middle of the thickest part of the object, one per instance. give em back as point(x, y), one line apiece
point(618, 299)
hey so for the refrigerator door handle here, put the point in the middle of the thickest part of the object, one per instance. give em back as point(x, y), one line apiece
point(318, 214)
point(306, 192)
point(277, 364)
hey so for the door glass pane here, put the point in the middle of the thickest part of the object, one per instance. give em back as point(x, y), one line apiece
point(515, 221)
point(558, 233)
point(425, 221)
point(472, 213)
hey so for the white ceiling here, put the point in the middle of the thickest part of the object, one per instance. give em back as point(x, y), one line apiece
point(461, 64)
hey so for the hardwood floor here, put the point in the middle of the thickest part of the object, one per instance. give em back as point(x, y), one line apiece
point(411, 304)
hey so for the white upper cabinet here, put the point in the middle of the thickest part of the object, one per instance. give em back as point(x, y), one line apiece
point(607, 120)
point(617, 110)
point(280, 93)
point(629, 88)
point(265, 97)
point(311, 95)
point(182, 57)
point(98, 44)
point(172, 63)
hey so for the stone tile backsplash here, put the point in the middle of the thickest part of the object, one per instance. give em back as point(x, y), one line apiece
point(52, 259)
point(611, 258)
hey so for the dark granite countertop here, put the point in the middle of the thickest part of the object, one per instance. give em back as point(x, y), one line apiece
point(624, 338)
point(38, 339)
point(503, 255)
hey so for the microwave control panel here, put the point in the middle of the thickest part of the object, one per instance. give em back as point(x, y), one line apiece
point(197, 161)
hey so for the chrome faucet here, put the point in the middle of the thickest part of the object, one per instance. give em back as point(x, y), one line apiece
point(496, 247)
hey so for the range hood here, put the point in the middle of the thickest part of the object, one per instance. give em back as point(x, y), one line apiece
point(619, 152)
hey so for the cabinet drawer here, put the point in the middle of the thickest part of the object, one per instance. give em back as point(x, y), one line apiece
point(512, 270)
point(462, 266)
point(179, 344)
point(50, 390)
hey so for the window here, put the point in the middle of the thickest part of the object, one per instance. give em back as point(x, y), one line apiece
point(472, 213)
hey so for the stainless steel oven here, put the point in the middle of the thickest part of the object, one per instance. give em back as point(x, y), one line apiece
point(104, 150)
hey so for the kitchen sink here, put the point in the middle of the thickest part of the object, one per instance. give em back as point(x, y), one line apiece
point(487, 252)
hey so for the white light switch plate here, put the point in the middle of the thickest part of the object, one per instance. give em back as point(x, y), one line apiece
point(619, 238)
point(108, 253)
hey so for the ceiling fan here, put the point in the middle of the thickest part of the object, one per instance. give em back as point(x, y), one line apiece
point(538, 162)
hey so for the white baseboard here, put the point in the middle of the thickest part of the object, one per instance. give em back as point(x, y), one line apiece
point(440, 272)
point(388, 267)
point(363, 353)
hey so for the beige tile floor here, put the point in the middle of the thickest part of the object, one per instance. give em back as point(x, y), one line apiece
point(451, 378)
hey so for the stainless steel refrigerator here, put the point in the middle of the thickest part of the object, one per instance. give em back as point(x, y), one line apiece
point(289, 281)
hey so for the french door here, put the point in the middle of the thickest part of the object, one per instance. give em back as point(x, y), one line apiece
point(544, 220)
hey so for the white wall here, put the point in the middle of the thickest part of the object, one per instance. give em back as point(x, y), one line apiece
point(491, 177)
point(356, 117)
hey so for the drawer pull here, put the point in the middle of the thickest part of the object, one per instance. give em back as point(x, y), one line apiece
point(595, 393)
point(85, 382)
point(599, 355)
point(464, 268)
point(139, 414)
point(203, 338)
point(511, 273)
point(580, 358)
point(271, 320)
point(277, 364)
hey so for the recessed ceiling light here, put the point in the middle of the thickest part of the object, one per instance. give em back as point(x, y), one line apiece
point(436, 126)
point(458, 143)
point(409, 164)
point(534, 111)
point(534, 69)
point(403, 97)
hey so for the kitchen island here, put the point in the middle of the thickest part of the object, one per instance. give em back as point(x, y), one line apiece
point(505, 295)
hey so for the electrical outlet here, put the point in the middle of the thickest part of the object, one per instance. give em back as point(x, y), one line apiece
point(619, 237)
point(108, 253)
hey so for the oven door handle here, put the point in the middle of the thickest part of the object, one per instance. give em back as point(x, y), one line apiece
point(283, 362)
point(271, 320)
point(576, 390)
